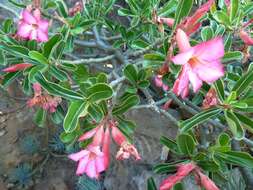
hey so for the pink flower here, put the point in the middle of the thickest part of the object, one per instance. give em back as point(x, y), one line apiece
point(159, 83)
point(200, 63)
point(90, 161)
point(17, 67)
point(126, 148)
point(206, 182)
point(190, 24)
point(182, 172)
point(32, 27)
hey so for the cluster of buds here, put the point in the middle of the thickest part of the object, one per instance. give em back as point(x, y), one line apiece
point(45, 101)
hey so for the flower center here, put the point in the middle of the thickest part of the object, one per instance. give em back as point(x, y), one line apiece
point(35, 26)
point(92, 155)
point(193, 61)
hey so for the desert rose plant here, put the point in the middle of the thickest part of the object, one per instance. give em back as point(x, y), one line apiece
point(85, 65)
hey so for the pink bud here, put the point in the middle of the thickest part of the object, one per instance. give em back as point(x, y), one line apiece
point(17, 67)
point(246, 38)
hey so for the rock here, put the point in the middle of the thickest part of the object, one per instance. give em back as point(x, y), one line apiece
point(132, 175)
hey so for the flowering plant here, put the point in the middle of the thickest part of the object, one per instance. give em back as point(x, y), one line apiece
point(85, 66)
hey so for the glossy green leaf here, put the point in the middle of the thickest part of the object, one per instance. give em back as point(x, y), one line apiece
point(169, 143)
point(151, 184)
point(207, 33)
point(198, 119)
point(10, 77)
point(99, 91)
point(232, 56)
point(127, 104)
point(40, 117)
point(74, 111)
point(15, 50)
point(49, 45)
point(95, 112)
point(183, 9)
point(234, 8)
point(165, 168)
point(58, 116)
point(237, 158)
point(246, 121)
point(234, 124)
point(62, 8)
point(57, 90)
point(186, 144)
point(244, 82)
point(37, 56)
point(219, 87)
point(58, 73)
point(131, 73)
point(224, 139)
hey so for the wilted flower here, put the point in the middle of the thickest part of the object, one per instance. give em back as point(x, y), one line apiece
point(31, 26)
point(90, 161)
point(200, 63)
point(205, 181)
point(45, 101)
point(211, 99)
point(78, 7)
point(17, 67)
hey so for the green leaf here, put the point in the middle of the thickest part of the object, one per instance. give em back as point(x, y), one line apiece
point(74, 111)
point(131, 73)
point(10, 77)
point(57, 73)
point(99, 91)
point(232, 56)
point(186, 144)
point(40, 117)
point(2, 58)
point(127, 104)
point(222, 18)
point(183, 9)
point(15, 50)
point(237, 158)
point(248, 122)
point(125, 12)
point(7, 25)
point(207, 33)
point(151, 184)
point(67, 137)
point(58, 116)
point(234, 125)
point(169, 143)
point(57, 90)
point(37, 56)
point(219, 87)
point(224, 139)
point(165, 168)
point(234, 8)
point(244, 82)
point(198, 119)
point(62, 8)
point(49, 45)
point(95, 112)
point(20, 5)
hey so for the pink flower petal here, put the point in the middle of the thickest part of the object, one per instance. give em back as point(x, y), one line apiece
point(206, 182)
point(43, 25)
point(182, 82)
point(209, 72)
point(24, 30)
point(37, 14)
point(77, 156)
point(182, 40)
point(168, 21)
point(100, 164)
point(88, 134)
point(42, 36)
point(33, 35)
point(182, 58)
point(195, 81)
point(82, 164)
point(106, 147)
point(28, 17)
point(90, 169)
point(117, 135)
point(98, 137)
point(210, 50)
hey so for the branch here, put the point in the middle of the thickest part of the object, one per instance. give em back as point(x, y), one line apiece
point(90, 60)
